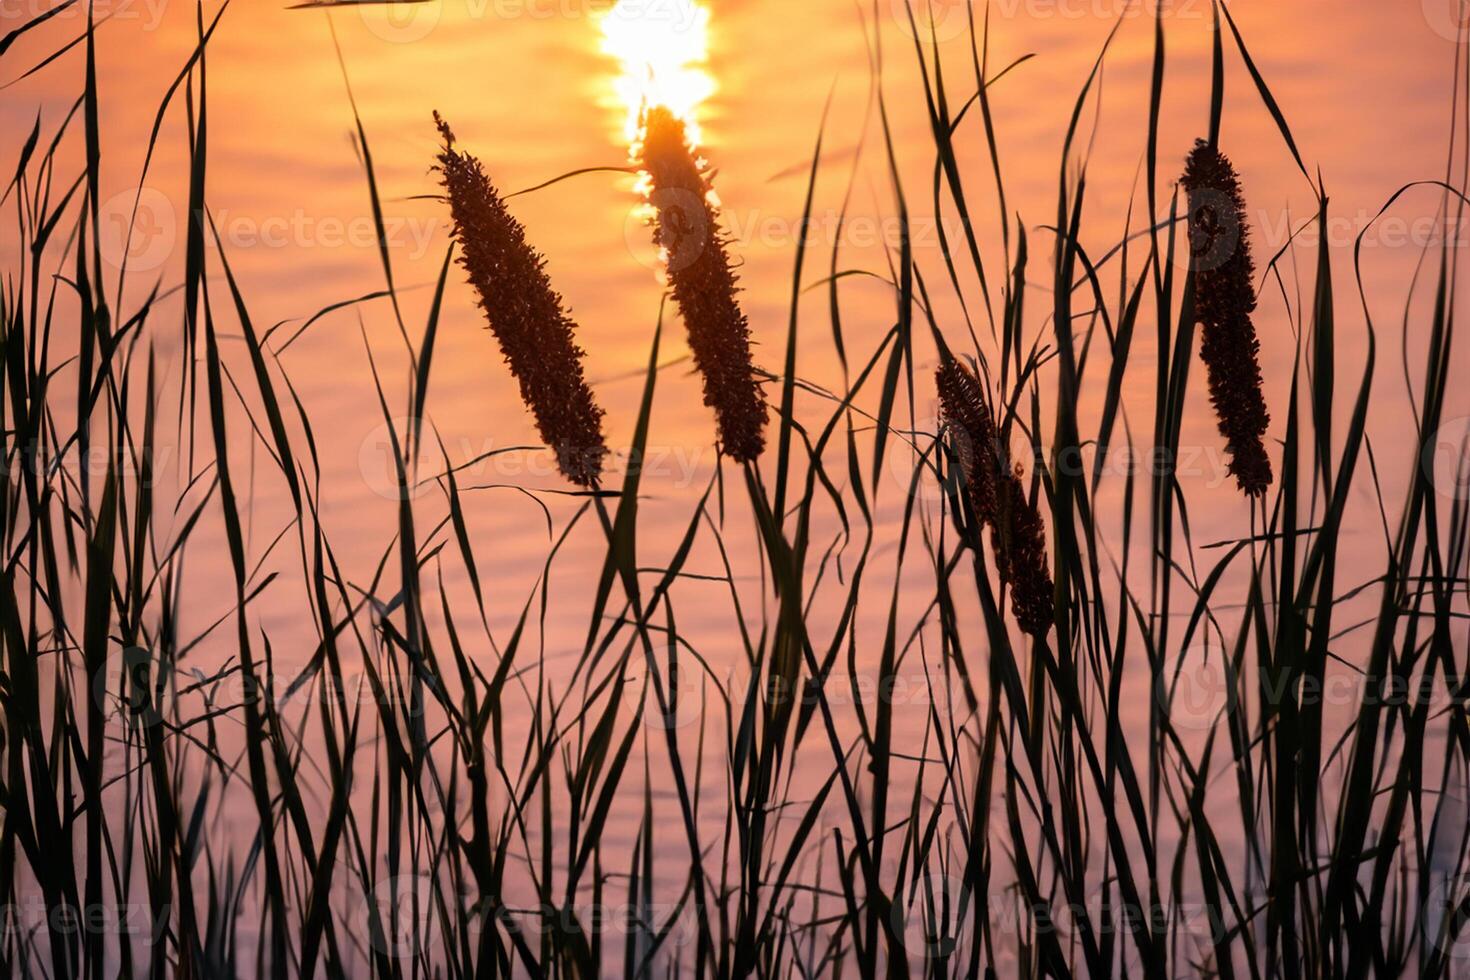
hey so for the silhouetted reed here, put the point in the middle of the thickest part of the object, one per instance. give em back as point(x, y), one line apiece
point(703, 283)
point(1224, 301)
point(525, 314)
point(992, 484)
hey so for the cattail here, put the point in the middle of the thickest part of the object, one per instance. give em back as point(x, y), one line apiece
point(703, 282)
point(1022, 539)
point(972, 435)
point(525, 314)
point(1224, 301)
point(998, 498)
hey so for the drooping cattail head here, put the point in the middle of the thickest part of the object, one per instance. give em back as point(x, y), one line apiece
point(1019, 534)
point(998, 497)
point(1224, 301)
point(972, 435)
point(525, 314)
point(686, 228)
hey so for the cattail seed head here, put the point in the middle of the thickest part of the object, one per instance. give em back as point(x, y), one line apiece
point(1224, 301)
point(686, 227)
point(525, 314)
point(998, 497)
point(1019, 534)
point(971, 435)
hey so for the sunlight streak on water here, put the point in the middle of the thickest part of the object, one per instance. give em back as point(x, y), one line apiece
point(663, 48)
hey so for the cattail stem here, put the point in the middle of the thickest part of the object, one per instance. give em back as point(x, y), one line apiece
point(703, 284)
point(525, 314)
point(997, 496)
point(1224, 301)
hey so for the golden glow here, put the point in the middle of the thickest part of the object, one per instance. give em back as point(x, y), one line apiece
point(663, 46)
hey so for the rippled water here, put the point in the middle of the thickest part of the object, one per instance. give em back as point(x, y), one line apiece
point(528, 89)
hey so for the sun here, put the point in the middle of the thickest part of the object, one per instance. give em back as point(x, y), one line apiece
point(663, 48)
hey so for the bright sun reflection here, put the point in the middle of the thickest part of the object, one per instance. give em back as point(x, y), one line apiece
point(663, 47)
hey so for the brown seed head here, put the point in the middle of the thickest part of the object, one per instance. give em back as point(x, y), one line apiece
point(525, 314)
point(703, 283)
point(971, 435)
point(1224, 301)
point(998, 497)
